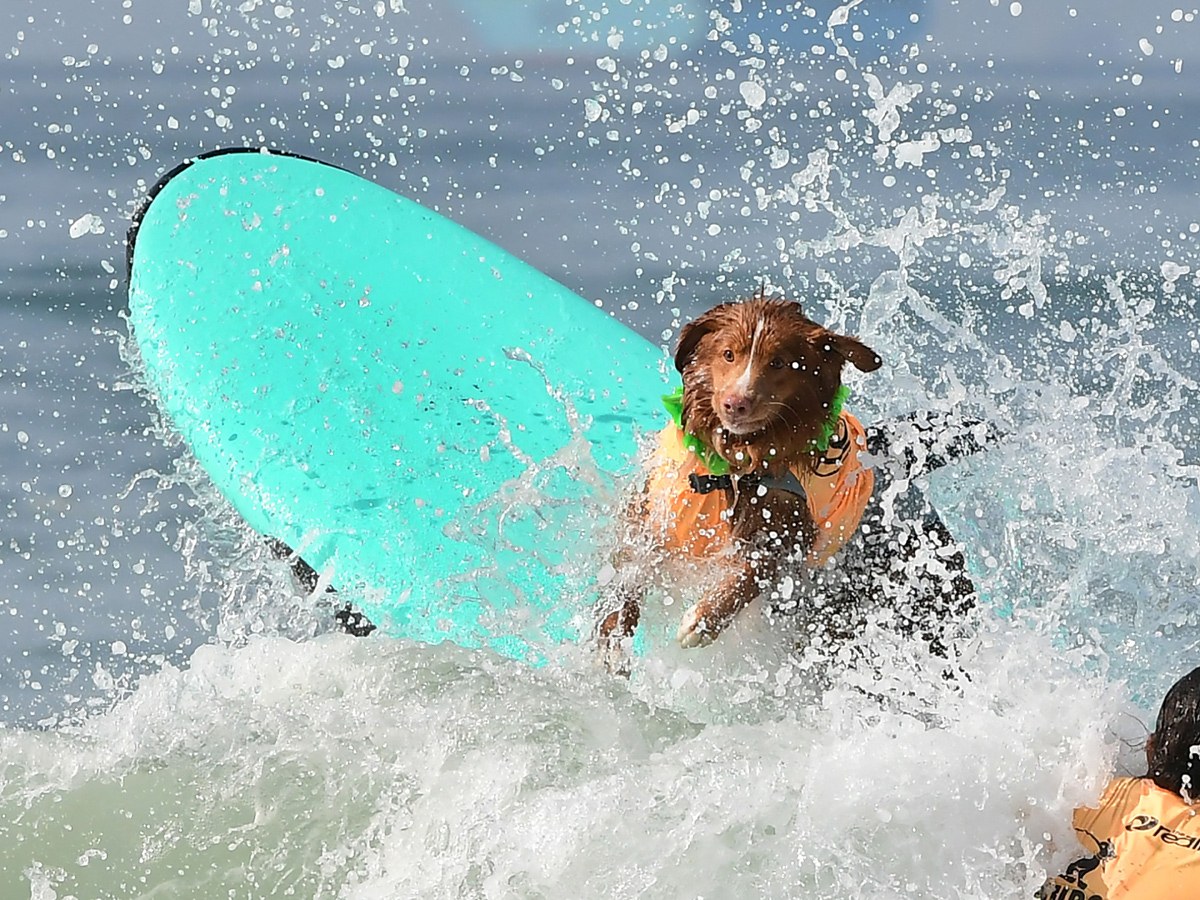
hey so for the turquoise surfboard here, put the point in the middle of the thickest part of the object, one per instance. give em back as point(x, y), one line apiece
point(419, 414)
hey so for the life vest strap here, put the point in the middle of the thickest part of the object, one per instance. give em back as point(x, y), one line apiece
point(706, 484)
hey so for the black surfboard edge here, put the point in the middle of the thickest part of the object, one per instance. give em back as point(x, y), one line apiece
point(144, 204)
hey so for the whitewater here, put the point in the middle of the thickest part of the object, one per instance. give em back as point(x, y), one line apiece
point(999, 200)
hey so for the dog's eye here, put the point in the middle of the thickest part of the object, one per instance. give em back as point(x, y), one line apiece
point(777, 363)
point(729, 356)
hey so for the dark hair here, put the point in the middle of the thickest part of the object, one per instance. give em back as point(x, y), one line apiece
point(1175, 745)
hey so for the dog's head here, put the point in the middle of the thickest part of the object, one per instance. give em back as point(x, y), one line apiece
point(761, 368)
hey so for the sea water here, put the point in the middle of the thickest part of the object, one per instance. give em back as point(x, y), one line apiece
point(997, 199)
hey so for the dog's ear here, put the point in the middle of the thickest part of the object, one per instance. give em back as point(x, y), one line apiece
point(854, 351)
point(694, 332)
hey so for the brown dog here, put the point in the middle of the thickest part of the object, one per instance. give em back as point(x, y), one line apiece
point(756, 462)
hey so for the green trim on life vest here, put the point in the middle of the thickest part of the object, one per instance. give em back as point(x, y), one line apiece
point(714, 462)
point(829, 426)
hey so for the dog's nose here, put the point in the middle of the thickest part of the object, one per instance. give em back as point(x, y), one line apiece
point(736, 404)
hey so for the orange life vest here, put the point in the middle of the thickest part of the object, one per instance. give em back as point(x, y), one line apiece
point(1146, 846)
point(697, 524)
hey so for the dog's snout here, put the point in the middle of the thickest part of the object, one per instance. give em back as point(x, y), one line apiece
point(736, 404)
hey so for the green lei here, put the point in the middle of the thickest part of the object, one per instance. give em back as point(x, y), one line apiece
point(714, 462)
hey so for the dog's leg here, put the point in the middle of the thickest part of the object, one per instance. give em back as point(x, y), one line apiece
point(711, 615)
point(769, 531)
point(615, 631)
point(619, 607)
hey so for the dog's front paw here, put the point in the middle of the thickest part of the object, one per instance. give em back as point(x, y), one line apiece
point(698, 627)
point(614, 637)
point(615, 658)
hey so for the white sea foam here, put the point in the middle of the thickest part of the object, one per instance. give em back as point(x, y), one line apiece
point(377, 768)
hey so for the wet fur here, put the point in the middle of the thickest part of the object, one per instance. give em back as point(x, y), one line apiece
point(759, 378)
point(794, 399)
